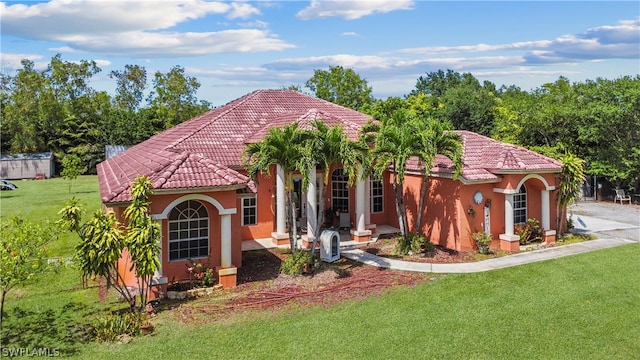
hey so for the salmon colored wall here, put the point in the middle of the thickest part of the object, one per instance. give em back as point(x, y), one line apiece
point(388, 216)
point(266, 203)
point(447, 219)
point(176, 270)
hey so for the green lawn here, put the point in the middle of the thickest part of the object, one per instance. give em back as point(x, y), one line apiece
point(40, 200)
point(579, 307)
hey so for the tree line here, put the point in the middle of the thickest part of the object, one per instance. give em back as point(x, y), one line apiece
point(597, 121)
point(57, 110)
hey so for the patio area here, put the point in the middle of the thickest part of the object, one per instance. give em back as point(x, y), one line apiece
point(381, 231)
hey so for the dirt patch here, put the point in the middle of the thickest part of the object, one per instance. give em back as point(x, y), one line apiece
point(441, 255)
point(261, 287)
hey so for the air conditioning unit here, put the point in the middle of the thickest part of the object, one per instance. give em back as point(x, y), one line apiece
point(329, 246)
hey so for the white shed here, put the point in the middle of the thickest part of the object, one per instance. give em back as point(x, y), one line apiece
point(27, 166)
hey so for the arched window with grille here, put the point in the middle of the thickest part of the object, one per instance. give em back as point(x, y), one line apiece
point(188, 231)
point(520, 206)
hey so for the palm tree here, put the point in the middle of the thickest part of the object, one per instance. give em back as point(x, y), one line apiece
point(571, 180)
point(395, 143)
point(435, 140)
point(286, 147)
point(329, 147)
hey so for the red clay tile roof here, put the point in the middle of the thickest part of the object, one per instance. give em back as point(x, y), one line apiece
point(204, 151)
point(484, 159)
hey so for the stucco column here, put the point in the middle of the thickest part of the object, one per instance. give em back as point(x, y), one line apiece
point(508, 214)
point(367, 203)
point(280, 201)
point(225, 241)
point(361, 233)
point(509, 241)
point(545, 221)
point(312, 217)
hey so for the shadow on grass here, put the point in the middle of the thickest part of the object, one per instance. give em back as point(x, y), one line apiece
point(48, 328)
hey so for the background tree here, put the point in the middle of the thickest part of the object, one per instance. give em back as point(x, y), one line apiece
point(72, 168)
point(173, 99)
point(340, 86)
point(130, 86)
point(22, 254)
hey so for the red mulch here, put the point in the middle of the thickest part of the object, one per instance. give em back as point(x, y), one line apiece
point(261, 287)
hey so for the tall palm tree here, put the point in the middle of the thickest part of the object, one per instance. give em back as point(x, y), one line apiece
point(435, 140)
point(329, 147)
point(395, 143)
point(285, 147)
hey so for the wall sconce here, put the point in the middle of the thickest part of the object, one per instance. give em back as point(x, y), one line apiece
point(471, 212)
point(487, 203)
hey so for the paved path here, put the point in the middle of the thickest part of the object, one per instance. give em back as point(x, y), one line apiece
point(615, 225)
point(485, 265)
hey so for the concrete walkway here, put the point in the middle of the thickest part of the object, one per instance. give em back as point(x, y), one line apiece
point(615, 225)
point(485, 265)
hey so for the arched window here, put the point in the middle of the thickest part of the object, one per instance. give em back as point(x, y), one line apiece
point(520, 206)
point(188, 231)
point(339, 191)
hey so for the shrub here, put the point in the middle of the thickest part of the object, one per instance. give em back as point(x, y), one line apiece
point(111, 327)
point(417, 243)
point(529, 231)
point(294, 264)
point(203, 274)
point(482, 240)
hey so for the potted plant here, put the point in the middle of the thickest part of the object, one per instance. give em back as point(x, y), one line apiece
point(482, 240)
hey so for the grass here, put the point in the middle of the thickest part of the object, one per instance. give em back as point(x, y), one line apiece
point(579, 307)
point(40, 200)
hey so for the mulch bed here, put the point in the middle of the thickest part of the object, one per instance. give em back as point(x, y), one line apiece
point(439, 254)
point(261, 287)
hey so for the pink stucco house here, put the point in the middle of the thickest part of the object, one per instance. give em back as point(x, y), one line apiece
point(208, 207)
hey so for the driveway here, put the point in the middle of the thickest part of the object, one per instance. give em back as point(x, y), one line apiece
point(607, 220)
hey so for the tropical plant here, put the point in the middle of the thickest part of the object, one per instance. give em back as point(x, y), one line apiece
point(571, 179)
point(285, 147)
point(328, 147)
point(529, 231)
point(435, 140)
point(103, 239)
point(22, 254)
point(482, 240)
point(294, 264)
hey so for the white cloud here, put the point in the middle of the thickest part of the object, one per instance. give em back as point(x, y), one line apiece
point(172, 44)
point(136, 28)
point(349, 33)
point(351, 10)
point(10, 61)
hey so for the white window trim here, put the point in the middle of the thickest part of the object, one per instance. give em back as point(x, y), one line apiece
point(242, 205)
point(346, 183)
point(371, 196)
point(517, 199)
point(169, 241)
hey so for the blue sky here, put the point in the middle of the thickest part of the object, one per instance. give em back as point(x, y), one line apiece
point(233, 48)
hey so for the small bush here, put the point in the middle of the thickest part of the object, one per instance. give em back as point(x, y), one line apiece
point(416, 244)
point(294, 265)
point(111, 327)
point(482, 240)
point(529, 231)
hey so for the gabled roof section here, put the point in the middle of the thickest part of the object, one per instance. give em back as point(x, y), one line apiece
point(204, 151)
point(305, 120)
point(484, 159)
